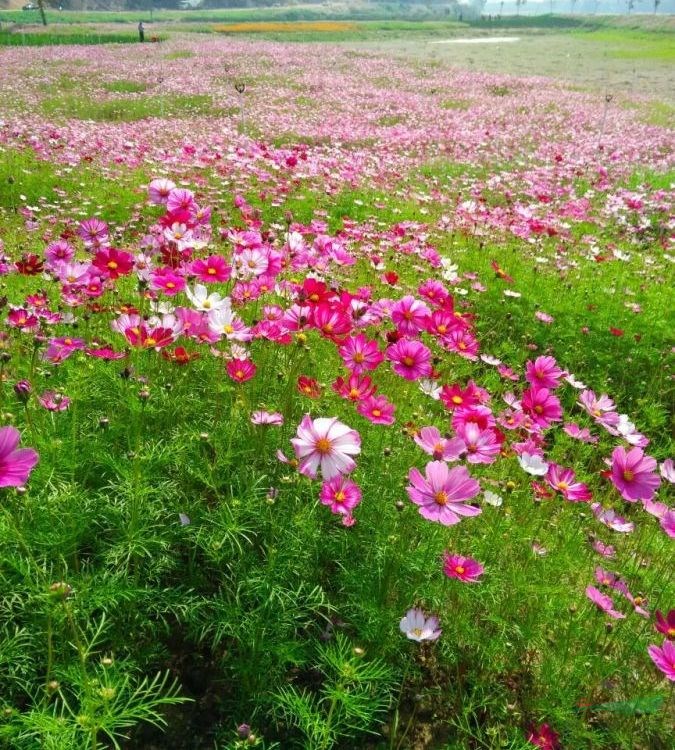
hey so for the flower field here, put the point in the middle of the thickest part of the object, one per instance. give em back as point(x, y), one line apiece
point(336, 403)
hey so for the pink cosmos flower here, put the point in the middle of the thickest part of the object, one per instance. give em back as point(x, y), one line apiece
point(507, 373)
point(482, 446)
point(606, 550)
point(443, 493)
point(16, 463)
point(418, 627)
point(563, 480)
point(634, 474)
point(167, 280)
point(668, 523)
point(666, 625)
point(359, 354)
point(267, 418)
point(667, 470)
point(340, 494)
point(54, 401)
point(542, 406)
point(464, 569)
point(212, 269)
point(461, 342)
point(611, 519)
point(544, 317)
point(603, 602)
point(595, 405)
point(159, 189)
point(543, 737)
point(356, 388)
point(431, 441)
point(411, 359)
point(409, 315)
point(326, 445)
point(94, 233)
point(664, 658)
point(543, 373)
point(241, 370)
point(576, 432)
point(377, 409)
point(113, 263)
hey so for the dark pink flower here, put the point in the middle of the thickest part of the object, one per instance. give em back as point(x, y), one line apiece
point(634, 474)
point(664, 658)
point(16, 463)
point(603, 602)
point(411, 359)
point(464, 569)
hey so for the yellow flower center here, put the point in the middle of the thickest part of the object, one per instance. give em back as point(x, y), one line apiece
point(323, 446)
point(441, 498)
point(459, 569)
point(628, 475)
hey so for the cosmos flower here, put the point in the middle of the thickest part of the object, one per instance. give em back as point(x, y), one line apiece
point(410, 359)
point(326, 445)
point(241, 370)
point(464, 569)
point(442, 493)
point(340, 494)
point(418, 627)
point(432, 442)
point(543, 373)
point(634, 474)
point(664, 658)
point(533, 464)
point(543, 737)
point(563, 480)
point(603, 602)
point(611, 519)
point(54, 401)
point(16, 463)
point(666, 625)
point(267, 418)
point(360, 354)
point(377, 409)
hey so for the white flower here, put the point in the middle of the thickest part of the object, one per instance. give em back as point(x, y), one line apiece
point(492, 498)
point(202, 300)
point(490, 360)
point(430, 388)
point(418, 627)
point(511, 293)
point(534, 465)
point(574, 382)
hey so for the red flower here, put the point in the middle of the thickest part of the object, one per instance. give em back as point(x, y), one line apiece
point(543, 737)
point(179, 355)
point(241, 370)
point(615, 331)
point(29, 265)
point(309, 387)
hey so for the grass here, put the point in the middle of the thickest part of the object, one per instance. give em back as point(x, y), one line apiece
point(129, 109)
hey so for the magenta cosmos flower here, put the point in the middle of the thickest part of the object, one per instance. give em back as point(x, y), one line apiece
point(443, 493)
point(15, 463)
point(418, 627)
point(664, 658)
point(326, 445)
point(666, 625)
point(377, 409)
point(359, 354)
point(634, 474)
point(564, 481)
point(432, 442)
point(542, 406)
point(340, 494)
point(543, 737)
point(410, 359)
point(543, 373)
point(603, 602)
point(464, 569)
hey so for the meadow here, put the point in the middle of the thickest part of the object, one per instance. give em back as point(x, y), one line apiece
point(336, 393)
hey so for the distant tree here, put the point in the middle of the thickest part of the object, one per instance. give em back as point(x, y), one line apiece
point(656, 5)
point(573, 4)
point(518, 4)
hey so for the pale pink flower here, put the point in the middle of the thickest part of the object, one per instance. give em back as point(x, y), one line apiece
point(326, 445)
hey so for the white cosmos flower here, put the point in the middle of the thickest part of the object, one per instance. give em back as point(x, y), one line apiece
point(492, 498)
point(202, 300)
point(430, 388)
point(534, 465)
